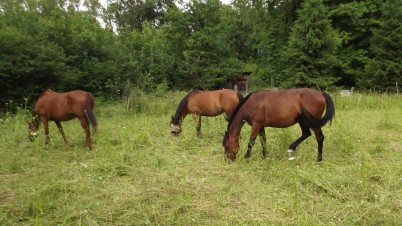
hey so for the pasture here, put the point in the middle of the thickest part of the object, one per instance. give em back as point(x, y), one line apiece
point(138, 174)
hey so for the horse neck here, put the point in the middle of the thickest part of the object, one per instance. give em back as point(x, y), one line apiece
point(181, 112)
point(179, 115)
point(236, 125)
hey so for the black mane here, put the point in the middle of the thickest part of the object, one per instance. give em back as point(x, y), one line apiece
point(237, 110)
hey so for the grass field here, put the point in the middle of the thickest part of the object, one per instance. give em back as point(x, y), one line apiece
point(138, 174)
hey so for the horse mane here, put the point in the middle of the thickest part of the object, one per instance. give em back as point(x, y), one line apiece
point(182, 104)
point(242, 101)
point(240, 96)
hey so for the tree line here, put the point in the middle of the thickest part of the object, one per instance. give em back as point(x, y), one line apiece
point(171, 44)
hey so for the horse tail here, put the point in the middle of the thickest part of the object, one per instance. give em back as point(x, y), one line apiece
point(313, 122)
point(330, 109)
point(89, 106)
point(240, 96)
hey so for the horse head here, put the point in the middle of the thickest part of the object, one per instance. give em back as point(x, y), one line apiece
point(33, 126)
point(231, 146)
point(175, 126)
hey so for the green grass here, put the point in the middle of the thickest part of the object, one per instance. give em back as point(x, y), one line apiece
point(138, 174)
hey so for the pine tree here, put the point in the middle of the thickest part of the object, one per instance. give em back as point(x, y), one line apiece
point(310, 54)
point(385, 67)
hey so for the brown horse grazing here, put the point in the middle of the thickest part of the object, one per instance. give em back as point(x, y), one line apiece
point(205, 103)
point(58, 107)
point(279, 109)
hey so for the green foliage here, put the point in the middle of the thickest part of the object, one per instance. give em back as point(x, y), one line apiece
point(354, 21)
point(197, 44)
point(312, 44)
point(200, 44)
point(384, 68)
point(131, 15)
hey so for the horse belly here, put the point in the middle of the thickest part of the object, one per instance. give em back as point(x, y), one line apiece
point(280, 120)
point(209, 109)
point(281, 123)
point(62, 117)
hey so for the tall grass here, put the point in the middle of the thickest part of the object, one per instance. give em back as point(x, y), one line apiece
point(138, 174)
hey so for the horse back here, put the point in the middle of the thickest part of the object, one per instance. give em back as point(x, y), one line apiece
point(272, 108)
point(212, 103)
point(62, 106)
point(282, 108)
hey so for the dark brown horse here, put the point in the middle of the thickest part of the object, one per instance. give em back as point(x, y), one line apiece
point(204, 103)
point(279, 109)
point(58, 107)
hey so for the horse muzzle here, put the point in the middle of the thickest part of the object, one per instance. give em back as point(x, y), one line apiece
point(175, 133)
point(32, 136)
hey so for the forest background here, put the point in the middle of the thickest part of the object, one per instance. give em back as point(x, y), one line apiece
point(111, 48)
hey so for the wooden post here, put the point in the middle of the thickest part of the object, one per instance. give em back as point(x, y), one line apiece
point(127, 94)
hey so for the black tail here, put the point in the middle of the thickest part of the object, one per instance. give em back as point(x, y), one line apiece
point(313, 122)
point(330, 110)
point(90, 113)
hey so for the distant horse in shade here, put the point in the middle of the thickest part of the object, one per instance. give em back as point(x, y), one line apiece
point(58, 107)
point(279, 109)
point(204, 103)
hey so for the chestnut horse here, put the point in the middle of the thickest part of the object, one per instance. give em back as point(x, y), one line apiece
point(279, 109)
point(58, 107)
point(204, 103)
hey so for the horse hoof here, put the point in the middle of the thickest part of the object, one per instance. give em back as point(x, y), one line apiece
point(290, 152)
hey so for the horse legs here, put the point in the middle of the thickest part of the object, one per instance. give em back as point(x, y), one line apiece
point(61, 130)
point(198, 125)
point(263, 139)
point(254, 132)
point(305, 134)
point(85, 125)
point(320, 140)
point(46, 126)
